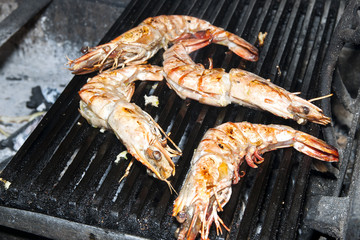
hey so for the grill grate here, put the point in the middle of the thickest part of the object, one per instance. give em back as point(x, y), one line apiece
point(66, 168)
point(343, 221)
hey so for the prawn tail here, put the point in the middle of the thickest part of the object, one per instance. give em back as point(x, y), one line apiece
point(315, 147)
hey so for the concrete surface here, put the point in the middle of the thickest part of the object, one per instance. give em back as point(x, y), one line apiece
point(36, 55)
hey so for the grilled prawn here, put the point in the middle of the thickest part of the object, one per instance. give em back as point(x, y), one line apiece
point(105, 103)
point(219, 88)
point(139, 44)
point(214, 168)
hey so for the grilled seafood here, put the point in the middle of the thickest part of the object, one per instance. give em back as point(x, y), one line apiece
point(215, 164)
point(139, 44)
point(105, 103)
point(219, 88)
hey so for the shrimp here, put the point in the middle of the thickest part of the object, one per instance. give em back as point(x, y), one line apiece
point(139, 44)
point(219, 88)
point(215, 164)
point(105, 103)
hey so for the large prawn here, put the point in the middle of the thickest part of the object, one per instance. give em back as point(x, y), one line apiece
point(215, 164)
point(105, 103)
point(139, 44)
point(219, 88)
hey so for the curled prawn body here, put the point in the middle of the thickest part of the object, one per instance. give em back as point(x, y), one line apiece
point(105, 104)
point(139, 44)
point(215, 164)
point(219, 88)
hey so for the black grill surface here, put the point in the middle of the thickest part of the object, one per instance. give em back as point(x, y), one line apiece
point(65, 175)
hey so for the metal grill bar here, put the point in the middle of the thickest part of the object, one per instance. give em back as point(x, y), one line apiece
point(300, 46)
point(270, 37)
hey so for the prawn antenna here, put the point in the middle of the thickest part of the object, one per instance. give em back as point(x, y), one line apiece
point(171, 187)
point(319, 98)
point(168, 138)
point(108, 54)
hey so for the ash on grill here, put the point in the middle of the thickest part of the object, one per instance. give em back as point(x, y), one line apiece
point(32, 56)
point(11, 142)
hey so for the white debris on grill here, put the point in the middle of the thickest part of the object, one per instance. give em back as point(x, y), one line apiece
point(153, 100)
point(278, 70)
point(261, 38)
point(6, 183)
point(120, 156)
point(154, 86)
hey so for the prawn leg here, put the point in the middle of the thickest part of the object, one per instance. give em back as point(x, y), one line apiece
point(127, 170)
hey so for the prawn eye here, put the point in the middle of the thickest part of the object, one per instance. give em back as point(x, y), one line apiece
point(306, 110)
point(154, 154)
point(181, 217)
point(84, 49)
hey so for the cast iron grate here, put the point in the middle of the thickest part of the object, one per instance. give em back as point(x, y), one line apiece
point(66, 168)
point(342, 221)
